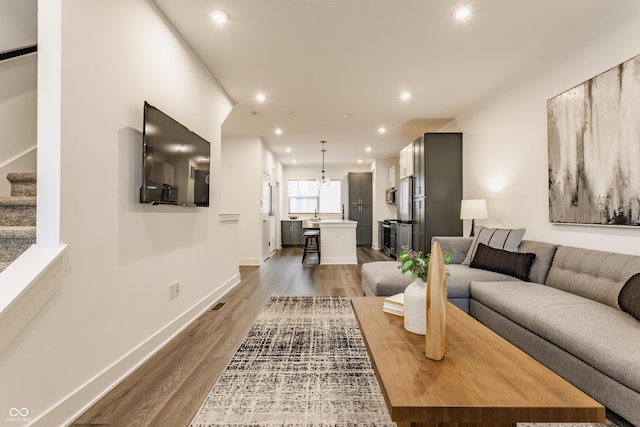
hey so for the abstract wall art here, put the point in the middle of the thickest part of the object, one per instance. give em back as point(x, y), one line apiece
point(594, 149)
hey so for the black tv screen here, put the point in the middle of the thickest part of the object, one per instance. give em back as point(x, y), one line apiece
point(175, 162)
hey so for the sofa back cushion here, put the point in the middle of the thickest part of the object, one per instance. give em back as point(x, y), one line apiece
point(596, 275)
point(498, 238)
point(542, 262)
point(457, 246)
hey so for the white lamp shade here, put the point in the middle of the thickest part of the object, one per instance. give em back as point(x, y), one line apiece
point(473, 209)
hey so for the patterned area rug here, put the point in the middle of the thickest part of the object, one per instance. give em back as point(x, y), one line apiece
point(303, 363)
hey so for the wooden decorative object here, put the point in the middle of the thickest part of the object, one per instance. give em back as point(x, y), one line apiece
point(436, 305)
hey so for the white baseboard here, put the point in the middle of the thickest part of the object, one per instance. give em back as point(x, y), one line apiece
point(338, 260)
point(250, 261)
point(74, 405)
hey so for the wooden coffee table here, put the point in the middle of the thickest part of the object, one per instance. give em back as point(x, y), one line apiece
point(483, 379)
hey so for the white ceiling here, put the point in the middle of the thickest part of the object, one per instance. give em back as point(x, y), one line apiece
point(317, 60)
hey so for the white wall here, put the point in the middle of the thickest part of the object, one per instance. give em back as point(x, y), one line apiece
point(18, 78)
point(333, 171)
point(18, 24)
point(245, 160)
point(505, 138)
point(111, 306)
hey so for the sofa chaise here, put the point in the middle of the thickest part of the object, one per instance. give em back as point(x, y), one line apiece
point(566, 312)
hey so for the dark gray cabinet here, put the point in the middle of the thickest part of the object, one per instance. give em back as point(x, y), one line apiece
point(360, 188)
point(291, 233)
point(363, 214)
point(437, 188)
point(360, 206)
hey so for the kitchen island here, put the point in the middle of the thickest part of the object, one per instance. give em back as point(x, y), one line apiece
point(338, 241)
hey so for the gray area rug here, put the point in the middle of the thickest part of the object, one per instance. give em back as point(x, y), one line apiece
point(304, 363)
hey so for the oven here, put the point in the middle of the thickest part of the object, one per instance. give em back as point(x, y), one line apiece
point(389, 231)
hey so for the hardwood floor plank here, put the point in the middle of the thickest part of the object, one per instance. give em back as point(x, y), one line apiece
point(169, 388)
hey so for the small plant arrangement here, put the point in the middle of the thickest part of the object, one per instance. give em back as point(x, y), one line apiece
point(418, 265)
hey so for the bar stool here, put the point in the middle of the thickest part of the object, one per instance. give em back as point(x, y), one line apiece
point(311, 244)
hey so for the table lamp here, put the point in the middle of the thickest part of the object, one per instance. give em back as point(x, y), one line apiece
point(473, 209)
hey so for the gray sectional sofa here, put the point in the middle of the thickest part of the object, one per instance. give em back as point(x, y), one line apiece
point(566, 316)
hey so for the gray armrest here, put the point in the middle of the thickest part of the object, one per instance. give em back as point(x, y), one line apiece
point(458, 246)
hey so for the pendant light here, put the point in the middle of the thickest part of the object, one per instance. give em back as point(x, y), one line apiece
point(322, 181)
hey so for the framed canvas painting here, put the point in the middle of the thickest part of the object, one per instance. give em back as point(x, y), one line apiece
point(594, 149)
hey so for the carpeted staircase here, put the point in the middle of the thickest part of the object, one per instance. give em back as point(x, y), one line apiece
point(17, 217)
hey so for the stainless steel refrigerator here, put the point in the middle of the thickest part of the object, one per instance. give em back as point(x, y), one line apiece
point(404, 204)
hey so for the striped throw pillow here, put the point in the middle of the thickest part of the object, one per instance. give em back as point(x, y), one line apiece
point(498, 238)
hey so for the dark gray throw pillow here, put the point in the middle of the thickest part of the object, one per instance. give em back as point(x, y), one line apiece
point(629, 297)
point(512, 263)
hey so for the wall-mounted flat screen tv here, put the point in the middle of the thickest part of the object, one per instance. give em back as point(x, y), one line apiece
point(176, 161)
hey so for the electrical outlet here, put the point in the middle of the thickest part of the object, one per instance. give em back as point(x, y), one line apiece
point(174, 290)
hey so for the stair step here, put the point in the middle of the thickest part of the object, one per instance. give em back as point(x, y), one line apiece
point(14, 241)
point(18, 201)
point(18, 211)
point(22, 183)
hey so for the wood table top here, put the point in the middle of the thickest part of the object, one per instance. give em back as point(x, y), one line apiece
point(483, 379)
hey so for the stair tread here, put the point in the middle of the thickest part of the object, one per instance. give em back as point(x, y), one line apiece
point(18, 201)
point(22, 177)
point(20, 232)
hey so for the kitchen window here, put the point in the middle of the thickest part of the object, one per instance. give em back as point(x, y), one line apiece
point(306, 196)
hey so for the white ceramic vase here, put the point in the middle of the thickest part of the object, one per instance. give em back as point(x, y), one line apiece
point(415, 307)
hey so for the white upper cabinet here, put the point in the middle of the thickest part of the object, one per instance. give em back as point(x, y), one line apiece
point(392, 177)
point(406, 161)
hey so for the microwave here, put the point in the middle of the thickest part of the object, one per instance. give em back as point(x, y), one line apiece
point(391, 196)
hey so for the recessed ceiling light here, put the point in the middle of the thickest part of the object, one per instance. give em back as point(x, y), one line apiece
point(288, 150)
point(359, 160)
point(405, 96)
point(368, 149)
point(347, 115)
point(382, 129)
point(219, 16)
point(261, 97)
point(278, 131)
point(462, 13)
point(253, 113)
point(294, 161)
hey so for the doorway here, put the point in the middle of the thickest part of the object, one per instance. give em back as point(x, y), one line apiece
point(265, 210)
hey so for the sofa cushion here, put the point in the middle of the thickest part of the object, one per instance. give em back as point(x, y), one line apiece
point(457, 246)
point(499, 238)
point(596, 275)
point(629, 298)
point(512, 263)
point(602, 336)
point(461, 276)
point(544, 257)
point(383, 278)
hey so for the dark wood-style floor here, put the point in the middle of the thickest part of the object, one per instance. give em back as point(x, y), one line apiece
point(169, 388)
